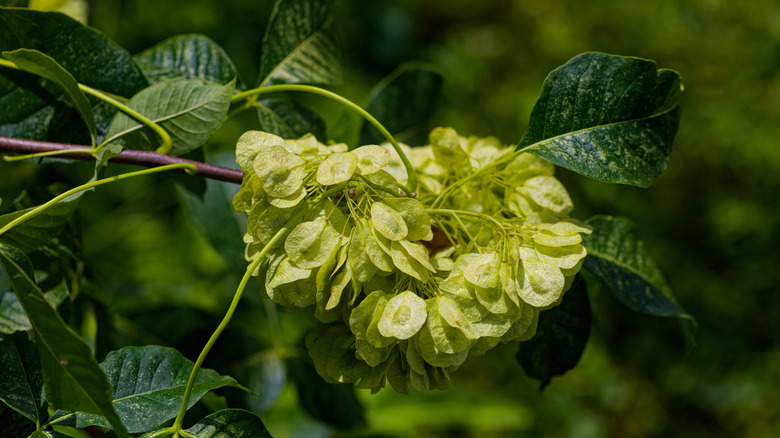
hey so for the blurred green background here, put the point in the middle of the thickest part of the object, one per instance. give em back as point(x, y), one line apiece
point(711, 220)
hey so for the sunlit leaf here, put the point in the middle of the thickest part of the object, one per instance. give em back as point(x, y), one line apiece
point(610, 118)
point(190, 110)
point(298, 46)
point(148, 385)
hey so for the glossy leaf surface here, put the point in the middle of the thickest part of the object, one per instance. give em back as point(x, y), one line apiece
point(189, 56)
point(72, 377)
point(37, 63)
point(148, 385)
point(21, 387)
point(298, 46)
point(618, 257)
point(230, 423)
point(610, 118)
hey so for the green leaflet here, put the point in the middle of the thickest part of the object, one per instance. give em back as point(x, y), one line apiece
point(617, 256)
point(71, 376)
point(298, 46)
point(22, 385)
point(610, 118)
point(42, 228)
point(147, 387)
point(35, 62)
point(230, 423)
point(189, 56)
point(190, 110)
point(403, 316)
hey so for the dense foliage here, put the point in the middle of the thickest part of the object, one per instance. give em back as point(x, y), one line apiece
point(597, 262)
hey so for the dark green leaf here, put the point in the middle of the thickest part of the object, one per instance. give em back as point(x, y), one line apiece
point(214, 216)
point(403, 102)
point(335, 404)
point(14, 424)
point(72, 377)
point(230, 423)
point(299, 46)
point(12, 316)
point(190, 56)
point(148, 386)
point(289, 119)
point(95, 61)
point(21, 387)
point(560, 337)
point(610, 118)
point(190, 110)
point(618, 257)
point(43, 227)
point(33, 61)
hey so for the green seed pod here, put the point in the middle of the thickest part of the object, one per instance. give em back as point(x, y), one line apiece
point(417, 221)
point(337, 168)
point(388, 221)
point(403, 316)
point(310, 243)
point(371, 158)
point(279, 171)
point(252, 143)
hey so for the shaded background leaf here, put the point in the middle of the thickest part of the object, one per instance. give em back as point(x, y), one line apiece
point(607, 117)
point(21, 387)
point(289, 119)
point(560, 337)
point(403, 102)
point(40, 229)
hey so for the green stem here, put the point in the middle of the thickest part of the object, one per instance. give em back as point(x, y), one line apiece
point(412, 176)
point(473, 214)
point(189, 168)
point(177, 424)
point(167, 144)
point(48, 154)
point(457, 184)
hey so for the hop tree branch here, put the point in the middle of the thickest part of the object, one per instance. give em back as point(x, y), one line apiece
point(127, 156)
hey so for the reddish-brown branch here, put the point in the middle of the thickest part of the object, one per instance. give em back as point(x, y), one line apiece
point(127, 156)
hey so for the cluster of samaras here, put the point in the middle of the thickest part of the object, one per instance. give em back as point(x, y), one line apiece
point(403, 288)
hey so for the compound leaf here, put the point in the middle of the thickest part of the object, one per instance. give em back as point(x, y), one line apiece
point(148, 385)
point(560, 338)
point(72, 377)
point(607, 117)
